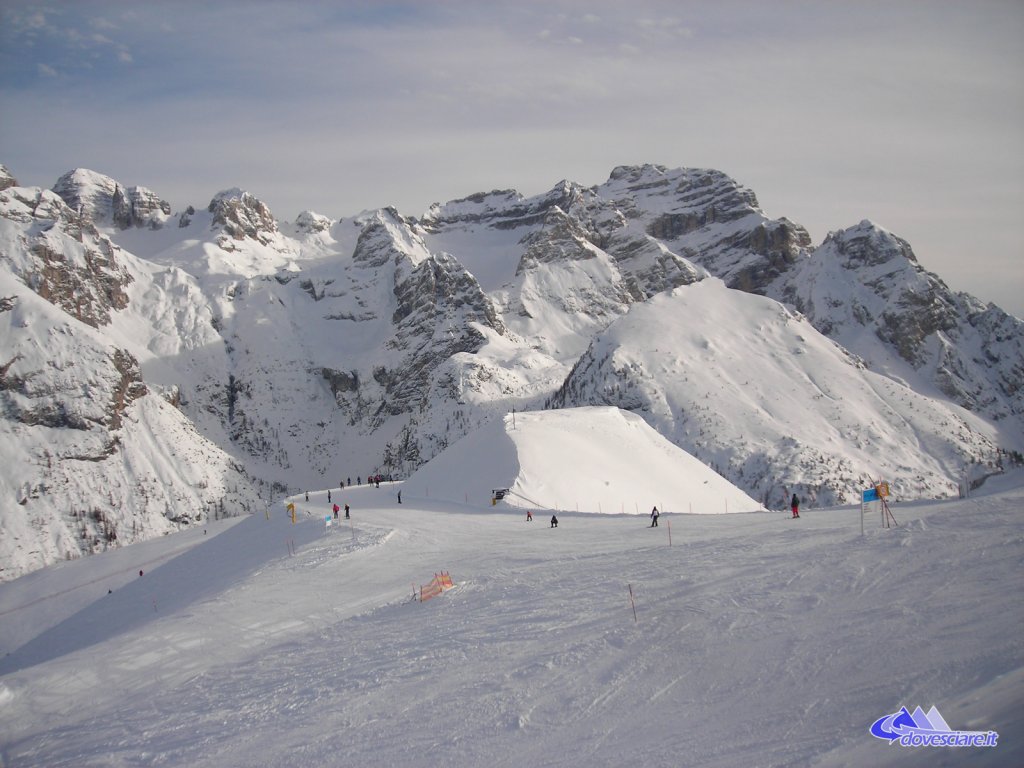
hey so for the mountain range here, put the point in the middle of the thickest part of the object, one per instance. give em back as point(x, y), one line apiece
point(161, 368)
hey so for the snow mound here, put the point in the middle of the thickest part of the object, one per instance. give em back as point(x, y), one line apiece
point(592, 459)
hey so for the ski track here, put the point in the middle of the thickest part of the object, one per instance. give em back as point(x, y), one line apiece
point(758, 641)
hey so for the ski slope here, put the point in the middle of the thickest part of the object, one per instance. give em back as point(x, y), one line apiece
point(757, 640)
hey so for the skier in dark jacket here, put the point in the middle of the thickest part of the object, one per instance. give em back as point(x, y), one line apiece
point(655, 514)
point(795, 506)
point(554, 521)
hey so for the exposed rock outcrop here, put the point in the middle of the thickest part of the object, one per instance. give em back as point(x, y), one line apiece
point(103, 200)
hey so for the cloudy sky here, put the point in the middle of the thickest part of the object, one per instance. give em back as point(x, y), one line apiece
point(910, 114)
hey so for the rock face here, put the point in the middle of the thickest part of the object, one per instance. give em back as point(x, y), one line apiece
point(65, 260)
point(243, 215)
point(711, 220)
point(312, 223)
point(103, 200)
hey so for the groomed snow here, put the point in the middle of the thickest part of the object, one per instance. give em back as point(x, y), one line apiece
point(757, 639)
point(593, 459)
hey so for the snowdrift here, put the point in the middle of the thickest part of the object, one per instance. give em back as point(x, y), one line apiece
point(593, 459)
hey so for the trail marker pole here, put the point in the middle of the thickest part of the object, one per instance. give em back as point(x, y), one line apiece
point(887, 514)
point(669, 524)
point(632, 603)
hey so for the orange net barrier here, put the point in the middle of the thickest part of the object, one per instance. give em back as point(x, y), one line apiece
point(437, 585)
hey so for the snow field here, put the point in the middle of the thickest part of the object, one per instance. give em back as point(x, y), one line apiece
point(759, 640)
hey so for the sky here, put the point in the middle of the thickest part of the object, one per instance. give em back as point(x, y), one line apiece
point(910, 114)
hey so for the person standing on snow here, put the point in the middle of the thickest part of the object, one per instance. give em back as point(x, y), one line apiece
point(336, 509)
point(795, 506)
point(655, 514)
point(346, 511)
point(554, 521)
point(529, 516)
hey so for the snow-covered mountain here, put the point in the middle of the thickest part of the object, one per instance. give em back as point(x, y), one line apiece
point(94, 453)
point(864, 288)
point(750, 387)
point(309, 353)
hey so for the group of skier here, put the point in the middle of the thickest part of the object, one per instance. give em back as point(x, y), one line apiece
point(655, 514)
point(371, 479)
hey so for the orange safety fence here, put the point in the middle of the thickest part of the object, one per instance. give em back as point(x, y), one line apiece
point(437, 585)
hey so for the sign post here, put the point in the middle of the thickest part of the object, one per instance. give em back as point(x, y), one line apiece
point(866, 497)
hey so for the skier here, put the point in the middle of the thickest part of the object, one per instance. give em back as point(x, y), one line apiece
point(399, 497)
point(529, 516)
point(307, 495)
point(795, 506)
point(336, 509)
point(655, 514)
point(554, 521)
point(328, 497)
point(346, 511)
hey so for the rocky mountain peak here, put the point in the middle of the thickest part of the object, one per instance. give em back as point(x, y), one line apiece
point(243, 215)
point(7, 179)
point(104, 200)
point(139, 207)
point(87, 192)
point(311, 223)
point(633, 174)
point(64, 258)
point(866, 279)
point(386, 235)
point(867, 244)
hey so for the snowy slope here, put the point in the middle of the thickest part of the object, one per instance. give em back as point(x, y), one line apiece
point(94, 455)
point(756, 640)
point(755, 391)
point(865, 289)
point(582, 459)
